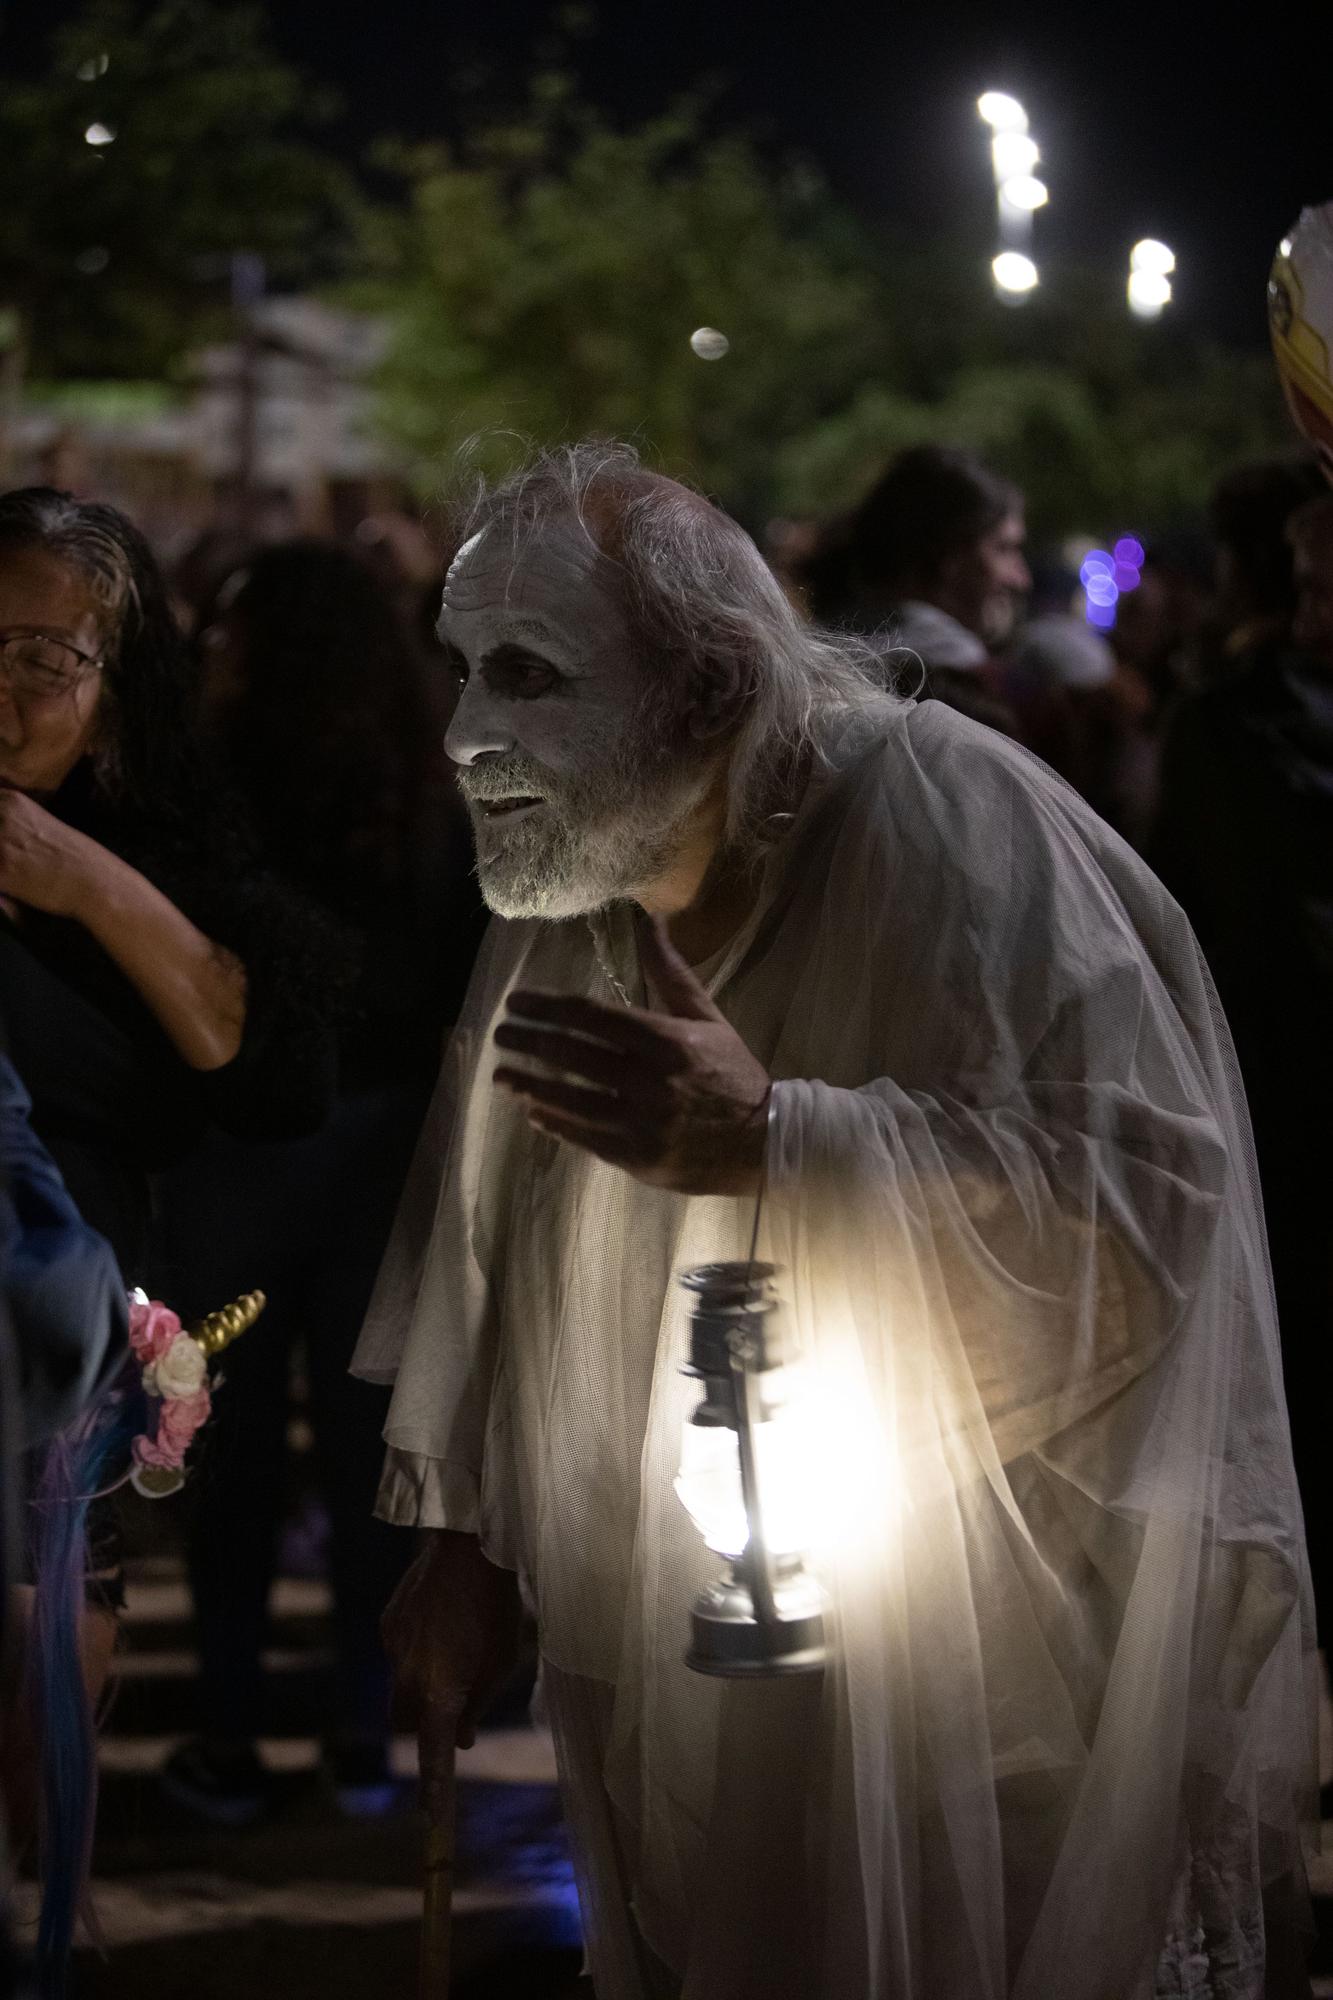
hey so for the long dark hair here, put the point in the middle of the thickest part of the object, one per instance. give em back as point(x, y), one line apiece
point(146, 758)
point(931, 502)
point(332, 739)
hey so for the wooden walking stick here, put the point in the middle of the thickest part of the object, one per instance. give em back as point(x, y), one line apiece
point(436, 1741)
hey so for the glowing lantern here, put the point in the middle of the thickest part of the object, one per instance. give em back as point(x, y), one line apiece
point(745, 1480)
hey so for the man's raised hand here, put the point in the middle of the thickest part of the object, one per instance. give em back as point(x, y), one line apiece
point(669, 1092)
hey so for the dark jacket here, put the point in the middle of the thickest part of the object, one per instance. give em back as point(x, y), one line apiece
point(111, 1097)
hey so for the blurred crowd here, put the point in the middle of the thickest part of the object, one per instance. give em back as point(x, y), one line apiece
point(237, 916)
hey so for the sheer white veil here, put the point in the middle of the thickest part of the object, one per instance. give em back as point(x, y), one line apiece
point(1066, 1736)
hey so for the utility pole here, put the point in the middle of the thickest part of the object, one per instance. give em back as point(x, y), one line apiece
point(13, 354)
point(247, 291)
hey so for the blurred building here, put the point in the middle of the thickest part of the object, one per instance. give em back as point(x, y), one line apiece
point(275, 427)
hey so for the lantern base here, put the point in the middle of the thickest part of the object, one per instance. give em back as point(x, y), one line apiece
point(730, 1642)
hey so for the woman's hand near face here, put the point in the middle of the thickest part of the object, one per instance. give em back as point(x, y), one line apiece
point(196, 990)
point(44, 863)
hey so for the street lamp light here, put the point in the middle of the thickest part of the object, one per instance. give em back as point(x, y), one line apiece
point(1015, 156)
point(1002, 112)
point(1015, 275)
point(1150, 255)
point(745, 1480)
point(99, 135)
point(1149, 289)
point(1025, 193)
point(1013, 153)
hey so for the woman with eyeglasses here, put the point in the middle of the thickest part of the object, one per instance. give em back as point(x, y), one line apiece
point(152, 979)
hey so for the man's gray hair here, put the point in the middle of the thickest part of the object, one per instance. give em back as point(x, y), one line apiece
point(704, 605)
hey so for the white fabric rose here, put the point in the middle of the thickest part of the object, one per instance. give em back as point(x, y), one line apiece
point(182, 1370)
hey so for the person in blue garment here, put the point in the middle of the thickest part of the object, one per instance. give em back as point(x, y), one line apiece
point(63, 1323)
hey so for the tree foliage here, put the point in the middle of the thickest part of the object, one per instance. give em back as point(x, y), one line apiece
point(115, 256)
point(541, 279)
point(543, 283)
point(548, 283)
point(1140, 455)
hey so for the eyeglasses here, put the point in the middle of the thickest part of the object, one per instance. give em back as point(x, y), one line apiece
point(39, 666)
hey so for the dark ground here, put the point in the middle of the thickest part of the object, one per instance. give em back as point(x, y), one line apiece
point(310, 1905)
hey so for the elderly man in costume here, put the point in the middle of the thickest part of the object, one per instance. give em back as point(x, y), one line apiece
point(762, 922)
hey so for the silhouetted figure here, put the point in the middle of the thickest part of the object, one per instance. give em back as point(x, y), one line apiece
point(934, 554)
point(1310, 532)
point(1244, 839)
point(317, 705)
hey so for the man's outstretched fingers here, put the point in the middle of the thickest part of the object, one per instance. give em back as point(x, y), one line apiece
point(596, 1062)
point(618, 1027)
point(594, 1110)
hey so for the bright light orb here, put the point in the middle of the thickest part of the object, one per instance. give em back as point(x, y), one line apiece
point(99, 135)
point(1129, 549)
point(1149, 292)
point(708, 343)
point(1013, 272)
point(1026, 192)
point(1002, 112)
point(1152, 257)
point(1013, 155)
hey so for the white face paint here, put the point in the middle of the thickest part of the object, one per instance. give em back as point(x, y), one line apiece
point(576, 797)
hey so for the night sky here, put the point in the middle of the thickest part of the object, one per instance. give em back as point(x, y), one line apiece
point(1209, 126)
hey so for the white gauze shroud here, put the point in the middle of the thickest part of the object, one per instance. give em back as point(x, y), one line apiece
point(1069, 1713)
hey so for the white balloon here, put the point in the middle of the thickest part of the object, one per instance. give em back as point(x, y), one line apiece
point(708, 343)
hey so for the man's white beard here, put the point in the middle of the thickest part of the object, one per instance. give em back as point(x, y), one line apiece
point(592, 841)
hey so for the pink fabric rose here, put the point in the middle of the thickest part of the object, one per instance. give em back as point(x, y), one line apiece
point(153, 1327)
point(177, 1424)
point(147, 1451)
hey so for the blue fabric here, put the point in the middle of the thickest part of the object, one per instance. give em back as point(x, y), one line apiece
point(66, 1300)
point(63, 1333)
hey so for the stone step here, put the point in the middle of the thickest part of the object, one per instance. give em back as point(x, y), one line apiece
point(499, 1756)
point(181, 1903)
